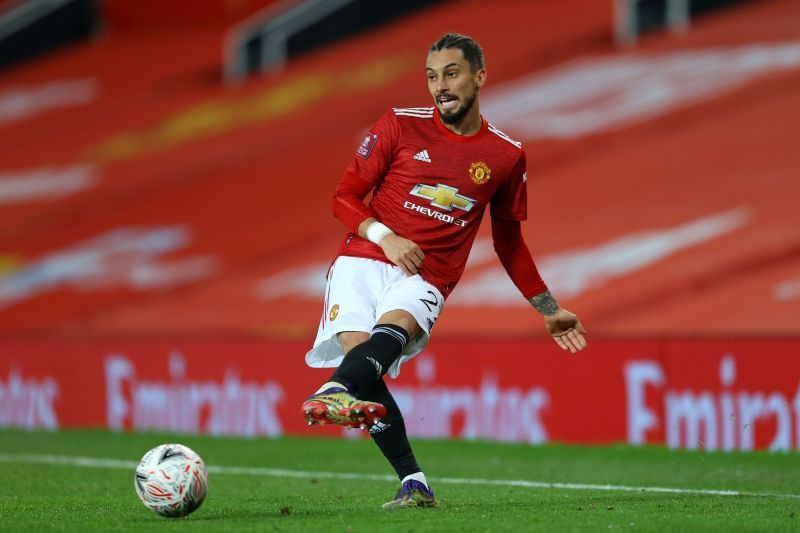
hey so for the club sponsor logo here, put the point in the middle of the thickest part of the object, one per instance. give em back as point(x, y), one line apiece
point(228, 405)
point(487, 409)
point(480, 172)
point(28, 403)
point(720, 414)
point(450, 219)
point(443, 196)
point(334, 312)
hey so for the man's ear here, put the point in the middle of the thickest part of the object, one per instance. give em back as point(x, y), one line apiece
point(480, 76)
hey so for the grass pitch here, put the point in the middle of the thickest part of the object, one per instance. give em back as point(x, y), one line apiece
point(43, 487)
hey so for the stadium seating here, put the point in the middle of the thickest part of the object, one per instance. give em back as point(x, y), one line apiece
point(140, 196)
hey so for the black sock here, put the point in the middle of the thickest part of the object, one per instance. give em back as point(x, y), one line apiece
point(369, 361)
point(390, 433)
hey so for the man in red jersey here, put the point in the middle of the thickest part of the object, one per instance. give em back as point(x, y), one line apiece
point(433, 171)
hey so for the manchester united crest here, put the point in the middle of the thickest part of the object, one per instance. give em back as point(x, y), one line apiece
point(334, 312)
point(480, 172)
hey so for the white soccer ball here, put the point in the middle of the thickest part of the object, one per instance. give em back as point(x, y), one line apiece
point(171, 480)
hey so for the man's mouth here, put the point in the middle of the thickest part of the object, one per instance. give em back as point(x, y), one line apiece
point(448, 102)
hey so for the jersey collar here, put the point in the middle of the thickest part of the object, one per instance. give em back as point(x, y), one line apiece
point(455, 136)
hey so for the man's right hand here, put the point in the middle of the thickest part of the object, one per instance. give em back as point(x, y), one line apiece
point(403, 253)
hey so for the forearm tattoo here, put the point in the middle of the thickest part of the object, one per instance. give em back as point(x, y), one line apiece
point(545, 303)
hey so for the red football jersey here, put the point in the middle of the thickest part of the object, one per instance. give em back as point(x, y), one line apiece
point(431, 186)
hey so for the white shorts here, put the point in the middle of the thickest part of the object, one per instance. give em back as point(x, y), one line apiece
point(358, 292)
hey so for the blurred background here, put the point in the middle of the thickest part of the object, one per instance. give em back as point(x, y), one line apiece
point(166, 173)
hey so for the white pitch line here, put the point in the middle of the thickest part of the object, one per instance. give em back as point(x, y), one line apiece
point(94, 462)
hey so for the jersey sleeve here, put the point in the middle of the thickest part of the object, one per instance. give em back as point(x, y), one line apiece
point(375, 153)
point(348, 201)
point(510, 202)
point(516, 257)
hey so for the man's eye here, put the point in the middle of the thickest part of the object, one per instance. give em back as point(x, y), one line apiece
point(451, 74)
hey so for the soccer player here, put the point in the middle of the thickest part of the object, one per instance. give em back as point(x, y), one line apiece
point(432, 171)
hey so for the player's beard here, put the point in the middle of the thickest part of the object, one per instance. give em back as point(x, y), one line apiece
point(457, 116)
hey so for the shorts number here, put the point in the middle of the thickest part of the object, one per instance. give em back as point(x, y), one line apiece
point(429, 303)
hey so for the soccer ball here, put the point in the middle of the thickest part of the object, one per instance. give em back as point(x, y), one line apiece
point(171, 480)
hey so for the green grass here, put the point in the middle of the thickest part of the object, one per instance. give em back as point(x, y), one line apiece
point(38, 497)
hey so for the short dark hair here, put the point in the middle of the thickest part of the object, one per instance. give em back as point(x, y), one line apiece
point(472, 51)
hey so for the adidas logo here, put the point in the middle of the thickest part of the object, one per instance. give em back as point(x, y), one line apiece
point(378, 427)
point(423, 156)
point(377, 365)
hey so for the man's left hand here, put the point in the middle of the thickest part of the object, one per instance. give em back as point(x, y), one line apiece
point(566, 330)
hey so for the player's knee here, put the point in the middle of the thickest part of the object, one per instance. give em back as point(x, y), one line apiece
point(401, 318)
point(350, 339)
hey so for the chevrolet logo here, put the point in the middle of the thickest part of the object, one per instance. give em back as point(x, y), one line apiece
point(443, 196)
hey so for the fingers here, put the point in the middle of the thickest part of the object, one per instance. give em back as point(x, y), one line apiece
point(408, 267)
point(572, 340)
point(403, 253)
point(577, 338)
point(413, 259)
point(410, 260)
point(561, 343)
point(416, 257)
